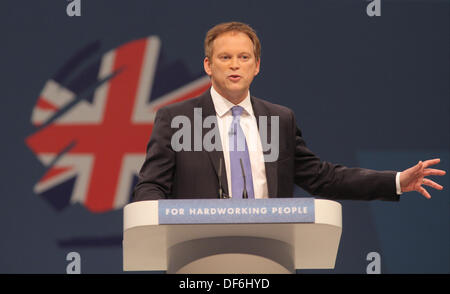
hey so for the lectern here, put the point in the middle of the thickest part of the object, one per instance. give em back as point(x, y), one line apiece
point(231, 236)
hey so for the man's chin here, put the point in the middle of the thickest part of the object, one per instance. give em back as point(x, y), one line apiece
point(241, 92)
point(237, 89)
point(231, 91)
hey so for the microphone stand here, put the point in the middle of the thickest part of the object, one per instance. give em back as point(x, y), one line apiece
point(244, 192)
point(221, 194)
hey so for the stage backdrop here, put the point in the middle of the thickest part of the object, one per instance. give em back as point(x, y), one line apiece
point(81, 82)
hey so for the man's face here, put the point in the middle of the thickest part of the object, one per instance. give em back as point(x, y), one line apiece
point(232, 66)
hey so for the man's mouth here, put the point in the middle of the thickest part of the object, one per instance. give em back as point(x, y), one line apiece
point(234, 78)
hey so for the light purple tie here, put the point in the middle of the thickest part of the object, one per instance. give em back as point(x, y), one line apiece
point(238, 151)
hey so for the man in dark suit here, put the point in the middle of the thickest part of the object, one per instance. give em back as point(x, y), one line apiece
point(241, 162)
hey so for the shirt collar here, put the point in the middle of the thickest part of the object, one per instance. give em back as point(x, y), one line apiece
point(223, 105)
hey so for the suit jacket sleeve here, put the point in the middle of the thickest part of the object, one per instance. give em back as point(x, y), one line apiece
point(156, 175)
point(333, 181)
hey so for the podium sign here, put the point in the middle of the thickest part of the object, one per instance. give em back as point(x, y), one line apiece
point(227, 211)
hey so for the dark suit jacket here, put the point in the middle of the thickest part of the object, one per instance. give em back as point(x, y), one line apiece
point(194, 174)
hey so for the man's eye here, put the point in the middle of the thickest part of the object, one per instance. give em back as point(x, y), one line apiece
point(225, 57)
point(245, 57)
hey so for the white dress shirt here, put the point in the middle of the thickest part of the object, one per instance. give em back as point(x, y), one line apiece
point(250, 128)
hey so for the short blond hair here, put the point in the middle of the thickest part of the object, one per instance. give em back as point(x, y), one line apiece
point(233, 26)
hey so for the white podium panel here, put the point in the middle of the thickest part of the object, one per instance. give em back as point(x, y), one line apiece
point(230, 248)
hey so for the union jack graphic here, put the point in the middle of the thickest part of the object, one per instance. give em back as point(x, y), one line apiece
point(94, 121)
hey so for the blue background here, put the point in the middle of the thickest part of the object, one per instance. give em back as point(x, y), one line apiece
point(367, 91)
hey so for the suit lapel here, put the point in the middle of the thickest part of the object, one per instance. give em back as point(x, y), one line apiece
point(260, 109)
point(205, 102)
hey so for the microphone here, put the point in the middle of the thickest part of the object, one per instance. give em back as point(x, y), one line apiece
point(244, 192)
point(221, 194)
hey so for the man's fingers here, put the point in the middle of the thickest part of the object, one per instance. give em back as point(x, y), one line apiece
point(432, 184)
point(427, 163)
point(433, 172)
point(417, 174)
point(417, 168)
point(424, 192)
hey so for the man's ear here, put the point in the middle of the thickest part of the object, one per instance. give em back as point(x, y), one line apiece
point(207, 66)
point(257, 67)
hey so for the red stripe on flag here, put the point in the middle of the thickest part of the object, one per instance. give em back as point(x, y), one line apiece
point(53, 172)
point(44, 104)
point(116, 126)
point(191, 94)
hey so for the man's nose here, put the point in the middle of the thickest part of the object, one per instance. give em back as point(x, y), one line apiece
point(234, 64)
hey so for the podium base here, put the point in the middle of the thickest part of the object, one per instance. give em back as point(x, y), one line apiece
point(231, 255)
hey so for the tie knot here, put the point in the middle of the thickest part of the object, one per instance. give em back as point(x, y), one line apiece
point(236, 111)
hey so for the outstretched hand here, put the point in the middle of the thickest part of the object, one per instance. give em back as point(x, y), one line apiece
point(413, 178)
